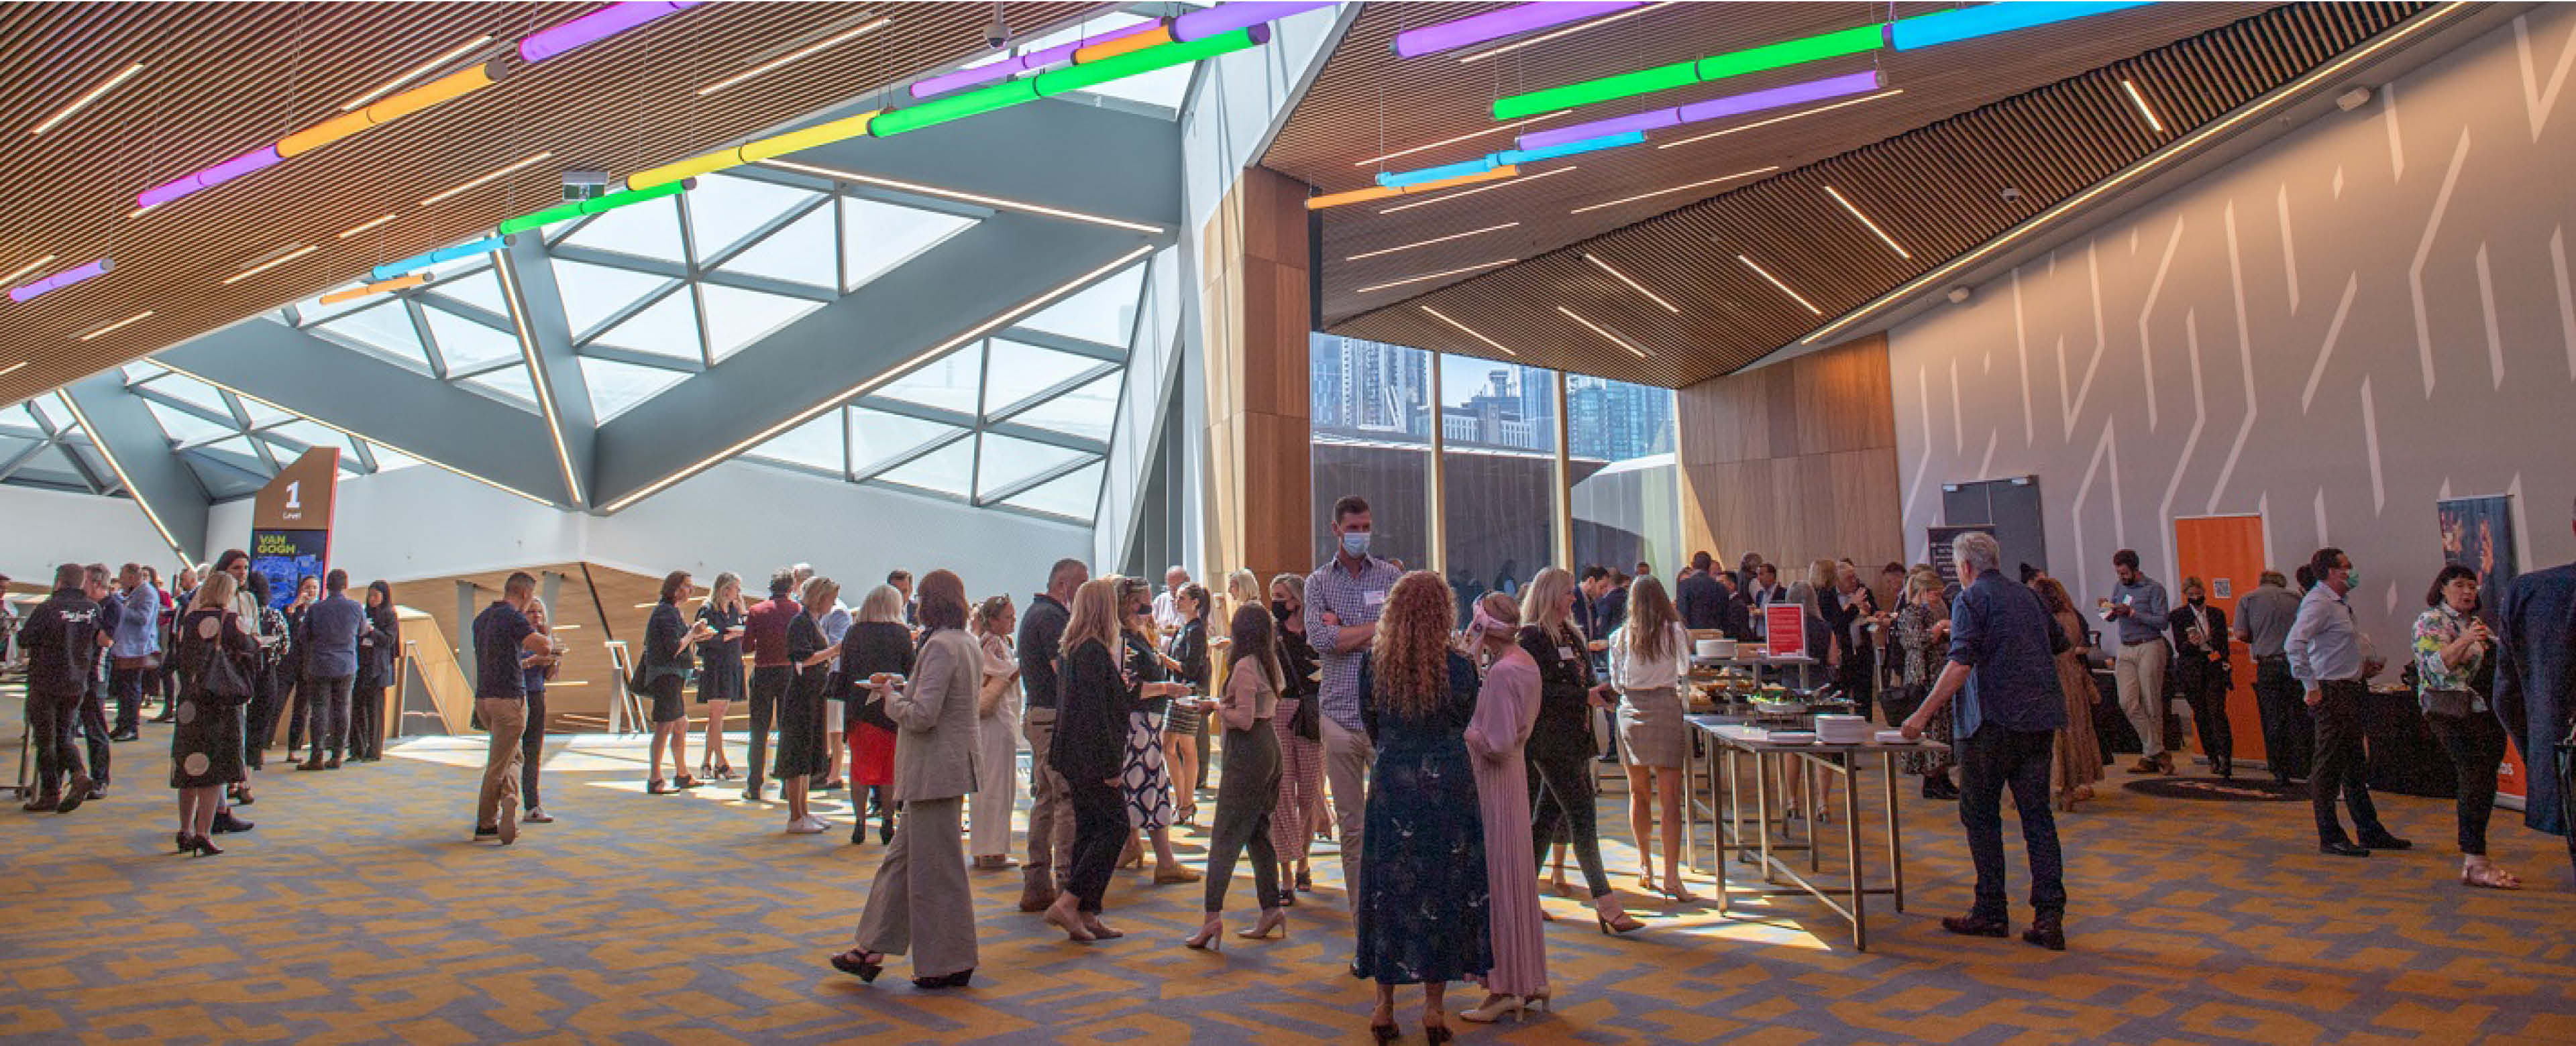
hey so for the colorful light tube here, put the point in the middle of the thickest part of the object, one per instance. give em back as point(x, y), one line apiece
point(1607, 141)
point(753, 152)
point(596, 205)
point(1508, 157)
point(1856, 40)
point(595, 27)
point(1711, 109)
point(949, 83)
point(954, 107)
point(1317, 203)
point(1495, 25)
point(1136, 63)
point(208, 178)
point(1154, 36)
point(1444, 172)
point(418, 262)
point(378, 287)
point(1969, 23)
point(1225, 18)
point(62, 279)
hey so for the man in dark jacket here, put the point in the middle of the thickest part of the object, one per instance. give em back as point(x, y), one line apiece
point(1699, 597)
point(62, 640)
point(2535, 684)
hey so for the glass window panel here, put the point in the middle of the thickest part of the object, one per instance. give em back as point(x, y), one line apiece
point(236, 452)
point(1020, 371)
point(877, 237)
point(453, 266)
point(21, 418)
point(801, 252)
point(221, 483)
point(814, 444)
point(1626, 487)
point(183, 427)
point(615, 386)
point(481, 290)
point(877, 437)
point(88, 455)
point(1007, 461)
point(593, 293)
point(1105, 312)
point(645, 230)
point(1370, 407)
point(262, 415)
point(465, 344)
point(1498, 429)
point(668, 328)
point(724, 210)
point(736, 317)
point(388, 459)
point(386, 328)
point(190, 391)
point(949, 382)
point(1091, 410)
point(12, 446)
point(511, 382)
point(1075, 496)
point(948, 470)
point(139, 371)
point(56, 464)
point(307, 433)
point(311, 310)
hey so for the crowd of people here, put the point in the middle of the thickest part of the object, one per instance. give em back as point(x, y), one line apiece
point(1344, 704)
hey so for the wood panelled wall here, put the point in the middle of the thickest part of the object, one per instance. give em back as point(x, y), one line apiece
point(1255, 307)
point(1796, 461)
point(586, 685)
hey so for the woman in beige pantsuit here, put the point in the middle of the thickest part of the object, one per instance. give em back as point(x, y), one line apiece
point(920, 896)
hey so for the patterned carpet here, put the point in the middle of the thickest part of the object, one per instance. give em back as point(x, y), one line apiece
point(359, 912)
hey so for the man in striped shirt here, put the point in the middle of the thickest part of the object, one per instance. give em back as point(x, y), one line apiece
point(1343, 600)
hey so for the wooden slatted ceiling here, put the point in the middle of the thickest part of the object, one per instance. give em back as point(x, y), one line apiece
point(221, 79)
point(1937, 190)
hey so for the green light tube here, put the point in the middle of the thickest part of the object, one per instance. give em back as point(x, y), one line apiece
point(609, 202)
point(548, 216)
point(1855, 40)
point(953, 107)
point(1160, 56)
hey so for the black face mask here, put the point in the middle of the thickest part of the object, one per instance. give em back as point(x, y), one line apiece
point(1279, 609)
point(2198, 600)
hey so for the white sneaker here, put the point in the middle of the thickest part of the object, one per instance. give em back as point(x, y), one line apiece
point(808, 826)
point(536, 815)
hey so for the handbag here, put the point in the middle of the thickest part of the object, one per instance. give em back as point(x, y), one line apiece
point(1307, 722)
point(2450, 704)
point(221, 677)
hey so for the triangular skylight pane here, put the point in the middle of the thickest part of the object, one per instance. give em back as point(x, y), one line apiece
point(1008, 462)
point(724, 210)
point(388, 459)
point(948, 470)
point(737, 317)
point(877, 437)
point(386, 328)
point(616, 386)
point(236, 452)
point(11, 446)
point(181, 426)
point(306, 433)
point(465, 344)
point(21, 418)
point(481, 290)
point(1105, 312)
point(948, 382)
point(876, 237)
point(511, 382)
point(285, 452)
point(311, 310)
point(55, 463)
point(645, 230)
point(593, 293)
point(1076, 495)
point(88, 456)
point(1086, 411)
point(669, 328)
point(262, 415)
point(190, 391)
point(140, 371)
point(801, 252)
point(815, 444)
point(1020, 371)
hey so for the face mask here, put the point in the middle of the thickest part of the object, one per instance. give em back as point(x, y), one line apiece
point(1279, 609)
point(2352, 578)
point(1355, 544)
point(2198, 600)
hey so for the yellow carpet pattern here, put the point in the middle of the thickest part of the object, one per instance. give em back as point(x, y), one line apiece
point(359, 912)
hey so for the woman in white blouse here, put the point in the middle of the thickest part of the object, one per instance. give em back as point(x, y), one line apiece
point(1649, 663)
point(997, 711)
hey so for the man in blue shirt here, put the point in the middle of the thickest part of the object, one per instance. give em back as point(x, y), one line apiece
point(2003, 650)
point(330, 644)
point(1344, 598)
point(137, 649)
point(2139, 607)
point(2334, 661)
point(501, 631)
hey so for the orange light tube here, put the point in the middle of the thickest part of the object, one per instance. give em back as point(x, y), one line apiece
point(1124, 44)
point(1380, 192)
point(454, 85)
point(395, 284)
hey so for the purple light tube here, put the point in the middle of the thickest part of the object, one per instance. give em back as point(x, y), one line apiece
point(1494, 25)
point(991, 72)
point(61, 280)
point(208, 178)
point(1650, 120)
point(1226, 18)
point(594, 27)
point(1712, 109)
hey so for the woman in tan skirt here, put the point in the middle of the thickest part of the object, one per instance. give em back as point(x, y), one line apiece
point(2079, 751)
point(1649, 664)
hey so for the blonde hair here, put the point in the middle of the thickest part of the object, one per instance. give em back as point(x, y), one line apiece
point(884, 603)
point(1651, 620)
point(1541, 600)
point(1822, 573)
point(1244, 588)
point(216, 593)
point(820, 592)
point(1095, 616)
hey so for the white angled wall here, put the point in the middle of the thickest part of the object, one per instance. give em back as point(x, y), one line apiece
point(42, 528)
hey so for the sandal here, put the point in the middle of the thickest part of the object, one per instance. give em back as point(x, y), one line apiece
point(656, 787)
point(724, 773)
point(2489, 877)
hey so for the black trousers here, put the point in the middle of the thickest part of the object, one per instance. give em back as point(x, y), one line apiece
point(768, 686)
point(127, 685)
point(261, 729)
point(1099, 831)
point(2475, 743)
point(1990, 759)
point(52, 720)
point(298, 701)
point(1561, 806)
point(93, 727)
point(2341, 765)
point(532, 749)
point(2288, 735)
point(2204, 687)
point(366, 719)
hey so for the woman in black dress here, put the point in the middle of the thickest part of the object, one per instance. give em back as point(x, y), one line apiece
point(667, 639)
point(290, 664)
point(1094, 709)
point(1421, 914)
point(801, 752)
point(206, 746)
point(1560, 750)
point(1185, 656)
point(378, 645)
point(876, 656)
point(720, 682)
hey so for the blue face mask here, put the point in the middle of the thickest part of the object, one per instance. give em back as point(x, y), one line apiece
point(1355, 544)
point(2352, 578)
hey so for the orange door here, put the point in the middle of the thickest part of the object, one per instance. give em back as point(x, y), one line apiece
point(2226, 553)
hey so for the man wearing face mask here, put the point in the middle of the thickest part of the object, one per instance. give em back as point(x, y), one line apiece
point(2334, 661)
point(1343, 600)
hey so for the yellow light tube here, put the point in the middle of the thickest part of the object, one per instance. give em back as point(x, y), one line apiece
point(799, 141)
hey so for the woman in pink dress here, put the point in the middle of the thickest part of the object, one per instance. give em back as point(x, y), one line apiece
point(1506, 709)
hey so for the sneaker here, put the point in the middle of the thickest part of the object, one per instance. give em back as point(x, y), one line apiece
point(482, 833)
point(807, 826)
point(536, 815)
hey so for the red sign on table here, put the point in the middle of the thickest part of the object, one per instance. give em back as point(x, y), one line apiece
point(1785, 627)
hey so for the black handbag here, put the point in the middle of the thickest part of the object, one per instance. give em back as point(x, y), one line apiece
point(221, 677)
point(1307, 722)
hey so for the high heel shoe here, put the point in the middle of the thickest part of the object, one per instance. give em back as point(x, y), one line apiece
point(1272, 919)
point(860, 967)
point(186, 843)
point(1541, 999)
point(1386, 1033)
point(1494, 1009)
point(1626, 925)
point(1209, 938)
point(206, 847)
point(959, 979)
point(1435, 1034)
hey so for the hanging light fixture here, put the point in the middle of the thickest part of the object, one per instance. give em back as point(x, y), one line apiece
point(946, 83)
point(610, 202)
point(1495, 25)
point(378, 287)
point(62, 279)
point(418, 262)
point(594, 27)
point(1711, 109)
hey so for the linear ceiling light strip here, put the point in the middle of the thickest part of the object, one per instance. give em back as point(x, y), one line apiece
point(1969, 23)
point(798, 55)
point(1495, 25)
point(882, 378)
point(62, 279)
point(537, 374)
point(595, 205)
point(594, 27)
point(1461, 138)
point(114, 327)
point(421, 70)
point(1208, 22)
point(1470, 331)
point(1674, 189)
point(1435, 275)
point(1433, 240)
point(1446, 197)
point(86, 97)
point(1711, 109)
point(1632, 284)
point(404, 451)
point(27, 268)
point(1381, 192)
point(1783, 118)
point(1775, 281)
point(1606, 333)
point(378, 287)
point(270, 264)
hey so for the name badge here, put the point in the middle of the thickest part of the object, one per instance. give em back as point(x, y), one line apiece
point(1565, 653)
point(1373, 598)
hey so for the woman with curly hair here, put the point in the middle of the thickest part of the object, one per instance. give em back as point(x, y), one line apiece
point(1421, 910)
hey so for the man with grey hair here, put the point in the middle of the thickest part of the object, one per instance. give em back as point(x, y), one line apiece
point(2006, 731)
